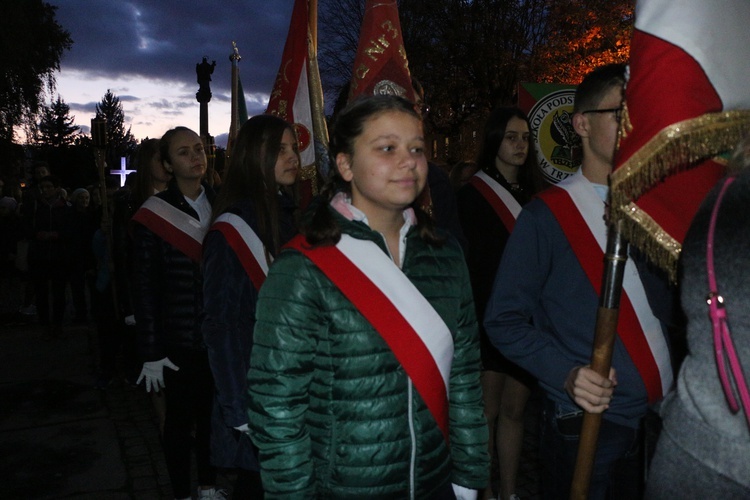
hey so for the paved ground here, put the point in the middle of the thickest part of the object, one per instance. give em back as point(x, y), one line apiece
point(60, 437)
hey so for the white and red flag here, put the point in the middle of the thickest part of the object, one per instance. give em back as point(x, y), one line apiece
point(687, 101)
point(292, 98)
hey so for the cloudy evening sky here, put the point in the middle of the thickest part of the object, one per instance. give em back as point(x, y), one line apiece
point(145, 51)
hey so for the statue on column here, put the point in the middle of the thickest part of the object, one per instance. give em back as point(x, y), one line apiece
point(204, 70)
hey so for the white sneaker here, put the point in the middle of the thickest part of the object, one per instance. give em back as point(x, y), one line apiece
point(212, 494)
point(514, 497)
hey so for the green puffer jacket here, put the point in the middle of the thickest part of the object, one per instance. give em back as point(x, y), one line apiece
point(331, 409)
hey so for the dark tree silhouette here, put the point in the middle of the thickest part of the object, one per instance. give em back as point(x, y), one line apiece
point(31, 45)
point(56, 126)
point(120, 142)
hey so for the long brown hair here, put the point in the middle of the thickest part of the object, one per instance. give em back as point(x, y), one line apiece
point(143, 187)
point(251, 174)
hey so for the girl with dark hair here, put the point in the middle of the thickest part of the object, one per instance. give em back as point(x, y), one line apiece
point(168, 232)
point(507, 178)
point(152, 177)
point(365, 345)
point(149, 178)
point(252, 217)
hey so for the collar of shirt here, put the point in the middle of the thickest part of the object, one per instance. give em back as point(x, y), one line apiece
point(342, 204)
point(202, 207)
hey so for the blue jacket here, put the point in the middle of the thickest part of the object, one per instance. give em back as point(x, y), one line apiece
point(229, 308)
point(542, 315)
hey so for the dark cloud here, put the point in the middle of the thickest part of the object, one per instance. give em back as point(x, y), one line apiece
point(165, 39)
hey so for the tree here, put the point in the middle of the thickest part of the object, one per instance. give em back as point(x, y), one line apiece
point(120, 142)
point(31, 45)
point(470, 55)
point(56, 126)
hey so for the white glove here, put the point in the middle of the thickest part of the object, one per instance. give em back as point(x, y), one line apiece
point(130, 320)
point(153, 373)
point(243, 428)
point(464, 493)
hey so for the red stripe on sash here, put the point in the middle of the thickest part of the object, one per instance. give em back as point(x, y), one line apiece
point(246, 257)
point(378, 310)
point(170, 233)
point(495, 202)
point(591, 258)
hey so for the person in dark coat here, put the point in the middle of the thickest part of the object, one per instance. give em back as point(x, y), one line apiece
point(509, 176)
point(47, 226)
point(168, 231)
point(255, 206)
point(704, 443)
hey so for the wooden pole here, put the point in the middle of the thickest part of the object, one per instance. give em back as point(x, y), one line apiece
point(99, 139)
point(601, 356)
point(312, 7)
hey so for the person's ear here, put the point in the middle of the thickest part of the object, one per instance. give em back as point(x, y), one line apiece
point(167, 166)
point(581, 124)
point(344, 166)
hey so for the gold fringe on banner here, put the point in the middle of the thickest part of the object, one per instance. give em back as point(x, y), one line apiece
point(676, 148)
point(644, 233)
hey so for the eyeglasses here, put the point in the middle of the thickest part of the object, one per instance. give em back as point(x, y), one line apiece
point(616, 111)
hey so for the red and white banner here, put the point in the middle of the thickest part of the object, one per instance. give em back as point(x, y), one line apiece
point(291, 98)
point(688, 59)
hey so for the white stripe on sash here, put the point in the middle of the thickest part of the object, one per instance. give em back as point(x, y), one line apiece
point(402, 293)
point(248, 236)
point(180, 220)
point(589, 206)
point(507, 199)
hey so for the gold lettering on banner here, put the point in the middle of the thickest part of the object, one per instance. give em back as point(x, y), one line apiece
point(374, 49)
point(402, 53)
point(282, 108)
point(389, 27)
point(361, 71)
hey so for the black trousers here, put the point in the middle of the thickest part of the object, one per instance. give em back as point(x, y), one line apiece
point(189, 396)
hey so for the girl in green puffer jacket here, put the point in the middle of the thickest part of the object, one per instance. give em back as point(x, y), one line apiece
point(364, 378)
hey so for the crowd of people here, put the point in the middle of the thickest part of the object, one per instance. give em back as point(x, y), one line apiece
point(382, 343)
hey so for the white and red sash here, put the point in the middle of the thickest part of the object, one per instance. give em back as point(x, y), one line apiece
point(417, 335)
point(246, 244)
point(174, 226)
point(505, 205)
point(580, 213)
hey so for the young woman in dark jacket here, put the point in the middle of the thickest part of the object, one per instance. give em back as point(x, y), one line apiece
point(508, 177)
point(168, 231)
point(253, 217)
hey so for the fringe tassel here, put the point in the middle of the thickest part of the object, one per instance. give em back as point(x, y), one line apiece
point(675, 149)
point(644, 233)
point(309, 173)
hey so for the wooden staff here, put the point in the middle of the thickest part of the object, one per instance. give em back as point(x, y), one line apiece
point(99, 139)
point(601, 356)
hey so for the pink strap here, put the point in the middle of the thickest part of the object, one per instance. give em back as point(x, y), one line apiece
point(722, 336)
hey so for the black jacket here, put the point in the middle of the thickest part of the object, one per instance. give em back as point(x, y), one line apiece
point(168, 289)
